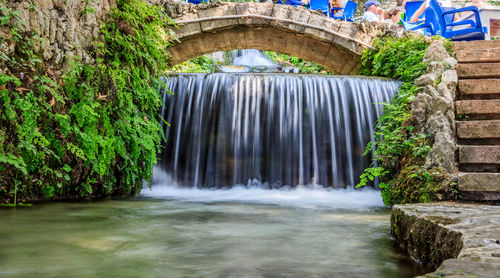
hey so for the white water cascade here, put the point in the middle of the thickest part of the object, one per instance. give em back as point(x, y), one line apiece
point(272, 129)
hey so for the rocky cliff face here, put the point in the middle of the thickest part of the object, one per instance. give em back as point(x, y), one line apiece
point(66, 27)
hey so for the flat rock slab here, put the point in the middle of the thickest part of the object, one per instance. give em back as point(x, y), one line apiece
point(481, 70)
point(479, 87)
point(478, 129)
point(464, 237)
point(477, 51)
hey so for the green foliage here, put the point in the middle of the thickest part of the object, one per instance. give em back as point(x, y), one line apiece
point(303, 65)
point(397, 144)
point(198, 65)
point(94, 131)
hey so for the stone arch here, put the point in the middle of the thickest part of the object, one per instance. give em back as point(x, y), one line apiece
point(336, 45)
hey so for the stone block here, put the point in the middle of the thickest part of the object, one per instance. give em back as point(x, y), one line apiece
point(189, 29)
point(479, 86)
point(478, 129)
point(481, 70)
point(286, 12)
point(478, 107)
point(477, 51)
point(486, 182)
point(479, 155)
point(265, 9)
point(224, 10)
point(319, 20)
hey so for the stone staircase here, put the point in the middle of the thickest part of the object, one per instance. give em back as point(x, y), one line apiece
point(478, 119)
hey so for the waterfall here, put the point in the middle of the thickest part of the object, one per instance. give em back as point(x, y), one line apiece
point(272, 129)
point(251, 58)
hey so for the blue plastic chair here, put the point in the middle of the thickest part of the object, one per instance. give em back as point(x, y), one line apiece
point(427, 27)
point(349, 9)
point(294, 3)
point(448, 17)
point(322, 5)
point(436, 17)
point(279, 2)
point(196, 2)
point(411, 8)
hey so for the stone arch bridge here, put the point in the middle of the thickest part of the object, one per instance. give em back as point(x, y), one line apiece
point(334, 44)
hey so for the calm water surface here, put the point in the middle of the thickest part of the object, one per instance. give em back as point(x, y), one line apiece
point(172, 232)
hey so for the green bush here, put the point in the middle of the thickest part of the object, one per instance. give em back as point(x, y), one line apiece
point(93, 131)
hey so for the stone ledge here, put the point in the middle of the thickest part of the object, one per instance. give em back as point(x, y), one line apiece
point(462, 239)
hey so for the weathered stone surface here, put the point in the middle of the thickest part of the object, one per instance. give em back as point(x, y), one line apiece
point(435, 52)
point(479, 182)
point(441, 104)
point(264, 9)
point(478, 107)
point(65, 28)
point(436, 68)
point(450, 63)
point(450, 80)
point(482, 70)
point(442, 153)
point(438, 123)
point(478, 129)
point(438, 232)
point(479, 154)
point(419, 108)
point(479, 87)
point(223, 10)
point(465, 268)
point(443, 91)
point(291, 13)
point(318, 20)
point(477, 51)
point(425, 79)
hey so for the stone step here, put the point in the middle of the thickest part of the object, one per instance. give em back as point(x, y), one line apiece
point(477, 51)
point(479, 87)
point(489, 107)
point(479, 186)
point(479, 154)
point(478, 129)
point(482, 70)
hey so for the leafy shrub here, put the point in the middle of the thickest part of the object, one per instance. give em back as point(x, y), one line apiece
point(303, 65)
point(94, 131)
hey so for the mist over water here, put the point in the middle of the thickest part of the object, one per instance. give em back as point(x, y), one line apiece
point(308, 196)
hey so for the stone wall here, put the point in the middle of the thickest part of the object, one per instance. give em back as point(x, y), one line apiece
point(66, 27)
point(433, 107)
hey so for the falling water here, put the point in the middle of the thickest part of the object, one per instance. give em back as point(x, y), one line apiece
point(252, 58)
point(275, 129)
